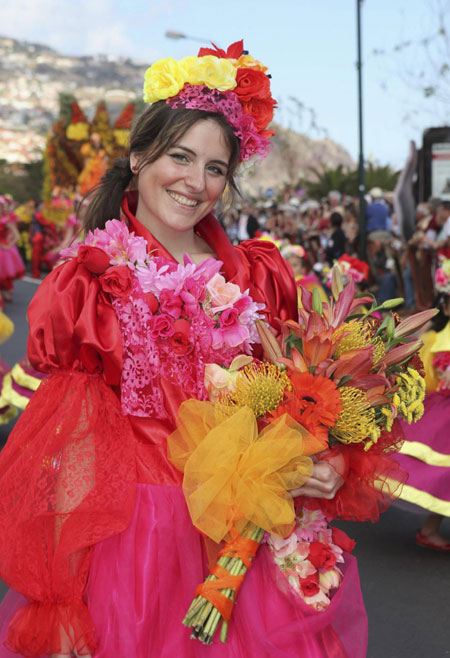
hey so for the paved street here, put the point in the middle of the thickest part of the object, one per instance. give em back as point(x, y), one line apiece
point(406, 588)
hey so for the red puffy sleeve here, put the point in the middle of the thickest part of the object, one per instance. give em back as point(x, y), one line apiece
point(269, 277)
point(73, 325)
point(68, 469)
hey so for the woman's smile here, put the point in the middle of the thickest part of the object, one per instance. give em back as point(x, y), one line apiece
point(183, 200)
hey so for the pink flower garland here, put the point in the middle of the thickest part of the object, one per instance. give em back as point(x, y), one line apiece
point(174, 318)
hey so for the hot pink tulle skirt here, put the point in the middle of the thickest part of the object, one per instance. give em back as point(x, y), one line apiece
point(142, 581)
point(11, 264)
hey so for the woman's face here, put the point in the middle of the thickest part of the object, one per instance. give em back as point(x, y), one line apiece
point(182, 186)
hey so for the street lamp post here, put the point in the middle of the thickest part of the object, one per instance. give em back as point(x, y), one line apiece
point(361, 172)
point(171, 34)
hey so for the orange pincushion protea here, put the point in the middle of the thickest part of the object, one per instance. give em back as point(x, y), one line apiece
point(315, 402)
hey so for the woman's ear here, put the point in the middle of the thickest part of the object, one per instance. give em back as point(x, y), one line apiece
point(134, 163)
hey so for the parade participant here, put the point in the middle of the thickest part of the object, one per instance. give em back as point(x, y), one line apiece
point(7, 410)
point(305, 277)
point(96, 535)
point(426, 451)
point(11, 264)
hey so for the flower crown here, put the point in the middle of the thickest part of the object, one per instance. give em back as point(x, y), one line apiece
point(229, 82)
point(442, 276)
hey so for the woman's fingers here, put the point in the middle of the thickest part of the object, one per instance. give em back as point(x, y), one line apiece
point(324, 482)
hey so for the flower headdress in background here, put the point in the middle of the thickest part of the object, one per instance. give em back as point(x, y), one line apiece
point(350, 266)
point(442, 277)
point(290, 250)
point(228, 82)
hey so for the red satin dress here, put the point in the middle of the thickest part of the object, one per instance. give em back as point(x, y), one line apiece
point(96, 536)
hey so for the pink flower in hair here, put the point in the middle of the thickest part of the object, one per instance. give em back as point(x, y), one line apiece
point(440, 278)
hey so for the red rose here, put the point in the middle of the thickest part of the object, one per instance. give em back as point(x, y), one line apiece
point(310, 585)
point(321, 555)
point(180, 344)
point(251, 83)
point(180, 339)
point(161, 326)
point(151, 301)
point(117, 281)
point(341, 539)
point(260, 110)
point(182, 326)
point(94, 259)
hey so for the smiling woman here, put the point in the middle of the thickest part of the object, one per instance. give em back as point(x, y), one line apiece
point(182, 186)
point(98, 545)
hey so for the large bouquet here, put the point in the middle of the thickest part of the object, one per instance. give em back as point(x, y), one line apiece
point(331, 387)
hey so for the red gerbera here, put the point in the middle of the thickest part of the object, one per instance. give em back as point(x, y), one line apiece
point(314, 402)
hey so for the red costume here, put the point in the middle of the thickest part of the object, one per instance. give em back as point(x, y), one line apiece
point(87, 491)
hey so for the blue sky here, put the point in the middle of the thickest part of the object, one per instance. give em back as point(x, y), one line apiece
point(309, 46)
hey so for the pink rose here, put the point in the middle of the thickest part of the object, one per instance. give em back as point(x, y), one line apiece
point(161, 326)
point(170, 303)
point(230, 332)
point(229, 318)
point(116, 281)
point(222, 294)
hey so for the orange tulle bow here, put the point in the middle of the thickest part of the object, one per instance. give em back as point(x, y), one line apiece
point(233, 474)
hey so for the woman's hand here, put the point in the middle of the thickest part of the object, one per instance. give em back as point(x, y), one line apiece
point(323, 483)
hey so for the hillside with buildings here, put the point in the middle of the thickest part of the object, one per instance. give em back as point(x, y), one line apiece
point(32, 77)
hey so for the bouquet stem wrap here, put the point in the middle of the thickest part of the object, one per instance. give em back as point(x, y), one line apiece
point(236, 484)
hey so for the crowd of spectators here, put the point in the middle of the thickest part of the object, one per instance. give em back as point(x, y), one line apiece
point(330, 228)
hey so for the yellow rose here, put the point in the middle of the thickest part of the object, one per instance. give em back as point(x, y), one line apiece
point(248, 62)
point(211, 71)
point(446, 266)
point(163, 79)
point(192, 70)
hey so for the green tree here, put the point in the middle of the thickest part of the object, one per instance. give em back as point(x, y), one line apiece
point(339, 179)
point(65, 107)
point(346, 181)
point(381, 176)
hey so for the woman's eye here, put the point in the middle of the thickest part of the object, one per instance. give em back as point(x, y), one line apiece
point(180, 157)
point(216, 170)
